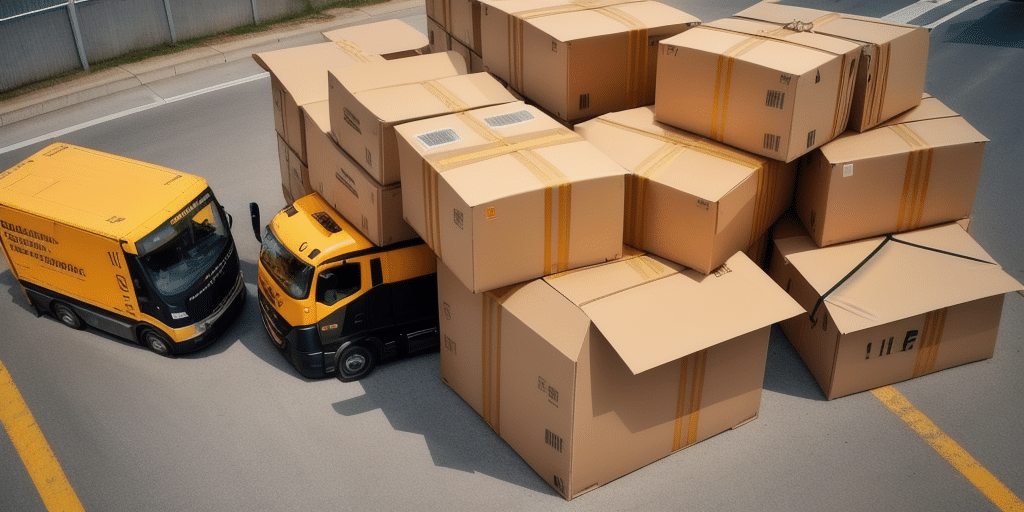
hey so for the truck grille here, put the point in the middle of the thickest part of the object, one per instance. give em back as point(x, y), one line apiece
point(275, 325)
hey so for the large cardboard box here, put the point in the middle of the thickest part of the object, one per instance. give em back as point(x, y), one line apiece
point(294, 173)
point(578, 60)
point(593, 373)
point(919, 169)
point(374, 209)
point(504, 194)
point(391, 39)
point(299, 75)
point(368, 101)
point(924, 301)
point(771, 91)
point(893, 63)
point(690, 199)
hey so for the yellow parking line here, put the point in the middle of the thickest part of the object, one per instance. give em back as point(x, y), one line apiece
point(950, 450)
point(35, 452)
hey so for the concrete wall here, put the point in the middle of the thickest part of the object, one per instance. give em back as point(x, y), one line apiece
point(42, 44)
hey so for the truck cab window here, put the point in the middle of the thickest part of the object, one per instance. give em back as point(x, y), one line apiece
point(335, 284)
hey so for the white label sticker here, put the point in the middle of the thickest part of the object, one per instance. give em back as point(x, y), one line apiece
point(847, 170)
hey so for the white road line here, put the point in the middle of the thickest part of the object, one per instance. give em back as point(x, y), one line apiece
point(954, 14)
point(124, 113)
point(913, 10)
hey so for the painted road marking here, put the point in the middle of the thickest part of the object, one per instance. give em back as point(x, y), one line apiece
point(913, 11)
point(954, 14)
point(35, 452)
point(124, 113)
point(950, 450)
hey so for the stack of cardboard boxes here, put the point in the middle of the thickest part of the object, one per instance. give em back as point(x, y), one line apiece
point(612, 256)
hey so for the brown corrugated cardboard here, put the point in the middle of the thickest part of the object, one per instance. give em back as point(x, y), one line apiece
point(891, 73)
point(593, 373)
point(919, 169)
point(299, 76)
point(924, 301)
point(504, 194)
point(374, 209)
point(578, 60)
point(439, 40)
point(439, 11)
point(391, 39)
point(368, 101)
point(755, 86)
point(689, 199)
point(294, 173)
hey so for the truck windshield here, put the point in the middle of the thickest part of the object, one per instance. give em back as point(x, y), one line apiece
point(290, 273)
point(179, 253)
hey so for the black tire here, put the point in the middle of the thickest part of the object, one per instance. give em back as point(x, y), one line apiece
point(67, 316)
point(156, 342)
point(355, 362)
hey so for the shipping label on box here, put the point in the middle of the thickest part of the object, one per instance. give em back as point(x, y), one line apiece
point(593, 373)
point(580, 60)
point(505, 194)
point(891, 73)
point(888, 309)
point(920, 169)
point(689, 199)
point(374, 209)
point(768, 90)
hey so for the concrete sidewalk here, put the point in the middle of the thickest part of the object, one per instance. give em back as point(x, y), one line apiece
point(114, 80)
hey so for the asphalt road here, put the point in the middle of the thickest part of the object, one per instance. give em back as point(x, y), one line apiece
point(234, 427)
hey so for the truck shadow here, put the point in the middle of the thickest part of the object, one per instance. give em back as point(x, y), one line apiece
point(413, 398)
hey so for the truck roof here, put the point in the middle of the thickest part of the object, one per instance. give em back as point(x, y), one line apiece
point(106, 194)
point(320, 233)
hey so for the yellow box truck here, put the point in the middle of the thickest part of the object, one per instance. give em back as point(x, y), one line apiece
point(140, 251)
point(336, 304)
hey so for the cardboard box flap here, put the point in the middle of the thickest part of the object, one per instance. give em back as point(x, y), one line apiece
point(944, 267)
point(303, 70)
point(577, 22)
point(428, 98)
point(380, 38)
point(390, 73)
point(662, 312)
point(897, 139)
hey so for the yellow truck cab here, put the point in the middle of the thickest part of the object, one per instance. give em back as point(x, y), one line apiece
point(140, 251)
point(335, 303)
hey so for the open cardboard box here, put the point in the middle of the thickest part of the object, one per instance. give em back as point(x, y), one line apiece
point(927, 300)
point(593, 373)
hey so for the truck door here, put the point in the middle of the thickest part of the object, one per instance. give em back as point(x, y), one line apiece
point(345, 302)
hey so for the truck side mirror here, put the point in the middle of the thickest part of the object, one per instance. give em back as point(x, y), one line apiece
point(254, 213)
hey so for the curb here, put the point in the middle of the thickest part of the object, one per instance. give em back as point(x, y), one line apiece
point(138, 74)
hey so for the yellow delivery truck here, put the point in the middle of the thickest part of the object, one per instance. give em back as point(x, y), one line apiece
point(140, 251)
point(336, 304)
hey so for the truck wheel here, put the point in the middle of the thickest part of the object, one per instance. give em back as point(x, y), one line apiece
point(67, 316)
point(156, 342)
point(354, 363)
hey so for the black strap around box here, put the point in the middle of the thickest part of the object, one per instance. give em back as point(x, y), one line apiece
point(888, 238)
